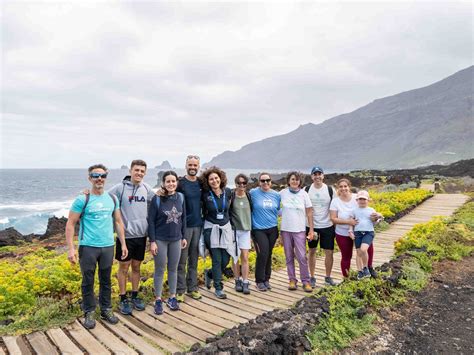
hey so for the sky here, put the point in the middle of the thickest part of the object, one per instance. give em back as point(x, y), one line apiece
point(84, 82)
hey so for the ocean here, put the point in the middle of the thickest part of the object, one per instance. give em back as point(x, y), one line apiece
point(29, 197)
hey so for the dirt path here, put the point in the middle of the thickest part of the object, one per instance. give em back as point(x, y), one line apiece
point(440, 319)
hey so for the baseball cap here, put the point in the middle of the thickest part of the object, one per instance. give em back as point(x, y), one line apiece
point(363, 194)
point(317, 169)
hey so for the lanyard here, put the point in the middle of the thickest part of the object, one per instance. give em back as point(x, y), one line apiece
point(215, 203)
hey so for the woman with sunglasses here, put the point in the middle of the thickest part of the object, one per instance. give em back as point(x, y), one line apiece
point(265, 207)
point(217, 231)
point(240, 218)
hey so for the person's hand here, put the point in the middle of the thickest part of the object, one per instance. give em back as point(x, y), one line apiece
point(71, 256)
point(153, 248)
point(310, 235)
point(374, 216)
point(160, 192)
point(351, 235)
point(353, 222)
point(86, 191)
point(124, 252)
point(184, 242)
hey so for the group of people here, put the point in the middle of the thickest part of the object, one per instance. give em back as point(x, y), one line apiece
point(192, 210)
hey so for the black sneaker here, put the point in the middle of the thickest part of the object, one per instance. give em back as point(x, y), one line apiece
point(239, 287)
point(220, 294)
point(89, 320)
point(109, 316)
point(138, 304)
point(261, 286)
point(245, 288)
point(158, 307)
point(267, 285)
point(373, 273)
point(172, 303)
point(329, 281)
point(125, 307)
point(312, 282)
point(207, 279)
point(366, 272)
point(360, 275)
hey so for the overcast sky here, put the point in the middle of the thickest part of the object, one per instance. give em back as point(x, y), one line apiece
point(113, 81)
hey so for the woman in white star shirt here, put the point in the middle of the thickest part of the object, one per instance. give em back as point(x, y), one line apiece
point(166, 226)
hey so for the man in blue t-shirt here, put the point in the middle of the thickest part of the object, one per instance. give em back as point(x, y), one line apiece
point(98, 214)
point(191, 188)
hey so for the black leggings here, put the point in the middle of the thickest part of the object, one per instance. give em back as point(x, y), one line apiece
point(264, 240)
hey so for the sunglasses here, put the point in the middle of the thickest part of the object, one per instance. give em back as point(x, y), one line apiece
point(98, 175)
point(193, 157)
point(265, 181)
point(243, 183)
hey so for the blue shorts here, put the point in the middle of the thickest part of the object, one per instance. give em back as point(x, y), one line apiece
point(363, 237)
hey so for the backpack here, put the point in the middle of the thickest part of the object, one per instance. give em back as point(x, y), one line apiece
point(330, 190)
point(84, 211)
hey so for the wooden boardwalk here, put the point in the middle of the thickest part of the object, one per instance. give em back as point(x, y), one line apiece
point(146, 333)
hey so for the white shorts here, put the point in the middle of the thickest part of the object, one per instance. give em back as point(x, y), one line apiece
point(243, 239)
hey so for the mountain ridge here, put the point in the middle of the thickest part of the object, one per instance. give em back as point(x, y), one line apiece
point(427, 125)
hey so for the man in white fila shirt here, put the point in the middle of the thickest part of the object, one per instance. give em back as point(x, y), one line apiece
point(324, 233)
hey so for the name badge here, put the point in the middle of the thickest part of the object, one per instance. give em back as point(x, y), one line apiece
point(220, 216)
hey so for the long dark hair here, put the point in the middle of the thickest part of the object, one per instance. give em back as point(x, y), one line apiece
point(166, 174)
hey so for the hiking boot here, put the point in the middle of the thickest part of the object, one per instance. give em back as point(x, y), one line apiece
point(158, 307)
point(125, 307)
point(109, 316)
point(329, 281)
point(138, 304)
point(220, 294)
point(245, 288)
point(267, 285)
point(180, 297)
point(373, 273)
point(360, 275)
point(307, 287)
point(312, 282)
point(172, 303)
point(89, 320)
point(366, 272)
point(195, 295)
point(292, 285)
point(261, 286)
point(207, 279)
point(239, 287)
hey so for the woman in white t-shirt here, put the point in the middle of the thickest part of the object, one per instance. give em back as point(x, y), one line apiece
point(341, 211)
point(295, 211)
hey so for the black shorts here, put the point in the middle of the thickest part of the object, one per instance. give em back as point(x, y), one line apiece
point(324, 236)
point(136, 249)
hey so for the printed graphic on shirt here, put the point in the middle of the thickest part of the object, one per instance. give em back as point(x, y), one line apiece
point(293, 202)
point(173, 215)
point(317, 200)
point(136, 199)
point(267, 203)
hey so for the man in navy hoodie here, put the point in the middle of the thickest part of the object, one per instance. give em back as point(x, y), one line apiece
point(133, 196)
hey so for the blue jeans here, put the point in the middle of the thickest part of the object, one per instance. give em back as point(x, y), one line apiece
point(363, 237)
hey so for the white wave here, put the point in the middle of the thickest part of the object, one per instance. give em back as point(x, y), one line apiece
point(39, 206)
point(4, 220)
point(63, 212)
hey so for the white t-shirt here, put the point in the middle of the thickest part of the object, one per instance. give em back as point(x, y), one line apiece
point(293, 211)
point(345, 211)
point(320, 200)
point(363, 216)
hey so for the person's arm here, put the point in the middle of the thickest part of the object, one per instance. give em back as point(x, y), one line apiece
point(184, 242)
point(152, 212)
point(336, 220)
point(72, 220)
point(376, 217)
point(120, 229)
point(309, 216)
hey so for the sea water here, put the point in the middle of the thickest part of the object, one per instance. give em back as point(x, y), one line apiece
point(29, 197)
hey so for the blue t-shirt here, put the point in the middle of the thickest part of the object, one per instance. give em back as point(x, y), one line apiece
point(192, 195)
point(265, 207)
point(97, 224)
point(363, 216)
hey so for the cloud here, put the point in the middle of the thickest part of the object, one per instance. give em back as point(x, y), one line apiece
point(109, 82)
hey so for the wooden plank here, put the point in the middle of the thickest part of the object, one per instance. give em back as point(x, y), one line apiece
point(85, 339)
point(224, 307)
point(217, 320)
point(232, 303)
point(62, 341)
point(264, 304)
point(263, 298)
point(111, 341)
point(16, 345)
point(196, 321)
point(164, 329)
point(133, 339)
point(148, 333)
point(217, 312)
point(189, 329)
point(40, 342)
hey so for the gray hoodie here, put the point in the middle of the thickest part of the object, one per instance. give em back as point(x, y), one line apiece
point(133, 200)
